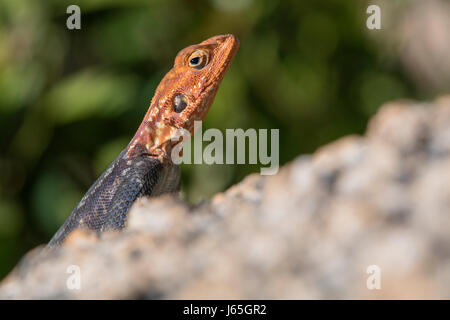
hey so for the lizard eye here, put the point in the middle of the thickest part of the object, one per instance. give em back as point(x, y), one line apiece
point(198, 59)
point(180, 103)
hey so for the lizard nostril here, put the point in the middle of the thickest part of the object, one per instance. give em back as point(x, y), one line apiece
point(180, 103)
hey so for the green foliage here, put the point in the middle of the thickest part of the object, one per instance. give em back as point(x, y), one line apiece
point(70, 100)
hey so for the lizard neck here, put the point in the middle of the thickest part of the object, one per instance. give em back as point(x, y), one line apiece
point(153, 138)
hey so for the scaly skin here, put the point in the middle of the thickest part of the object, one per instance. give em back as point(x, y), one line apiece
point(144, 167)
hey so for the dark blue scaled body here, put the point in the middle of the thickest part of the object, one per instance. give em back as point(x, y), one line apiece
point(106, 204)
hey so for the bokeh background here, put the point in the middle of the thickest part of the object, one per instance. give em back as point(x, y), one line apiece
point(70, 100)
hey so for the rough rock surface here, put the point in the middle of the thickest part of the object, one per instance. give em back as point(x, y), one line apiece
point(311, 231)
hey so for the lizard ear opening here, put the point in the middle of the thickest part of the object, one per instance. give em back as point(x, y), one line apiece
point(180, 103)
point(198, 59)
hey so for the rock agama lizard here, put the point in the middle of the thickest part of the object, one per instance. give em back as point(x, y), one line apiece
point(144, 167)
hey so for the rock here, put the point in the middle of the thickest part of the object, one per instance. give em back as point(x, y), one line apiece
point(419, 36)
point(379, 202)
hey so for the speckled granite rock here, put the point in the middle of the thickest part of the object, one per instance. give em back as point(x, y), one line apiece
point(310, 231)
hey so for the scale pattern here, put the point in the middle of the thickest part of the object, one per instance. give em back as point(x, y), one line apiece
point(107, 202)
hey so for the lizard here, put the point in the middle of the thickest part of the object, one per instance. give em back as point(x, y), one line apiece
point(144, 167)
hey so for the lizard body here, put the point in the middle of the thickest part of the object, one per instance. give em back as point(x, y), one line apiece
point(144, 167)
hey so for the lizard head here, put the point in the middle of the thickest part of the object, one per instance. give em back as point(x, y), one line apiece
point(185, 94)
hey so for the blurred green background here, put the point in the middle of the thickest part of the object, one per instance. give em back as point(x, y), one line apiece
point(70, 100)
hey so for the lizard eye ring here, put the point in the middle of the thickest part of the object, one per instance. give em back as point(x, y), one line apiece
point(198, 59)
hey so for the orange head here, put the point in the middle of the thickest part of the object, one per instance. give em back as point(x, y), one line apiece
point(185, 94)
